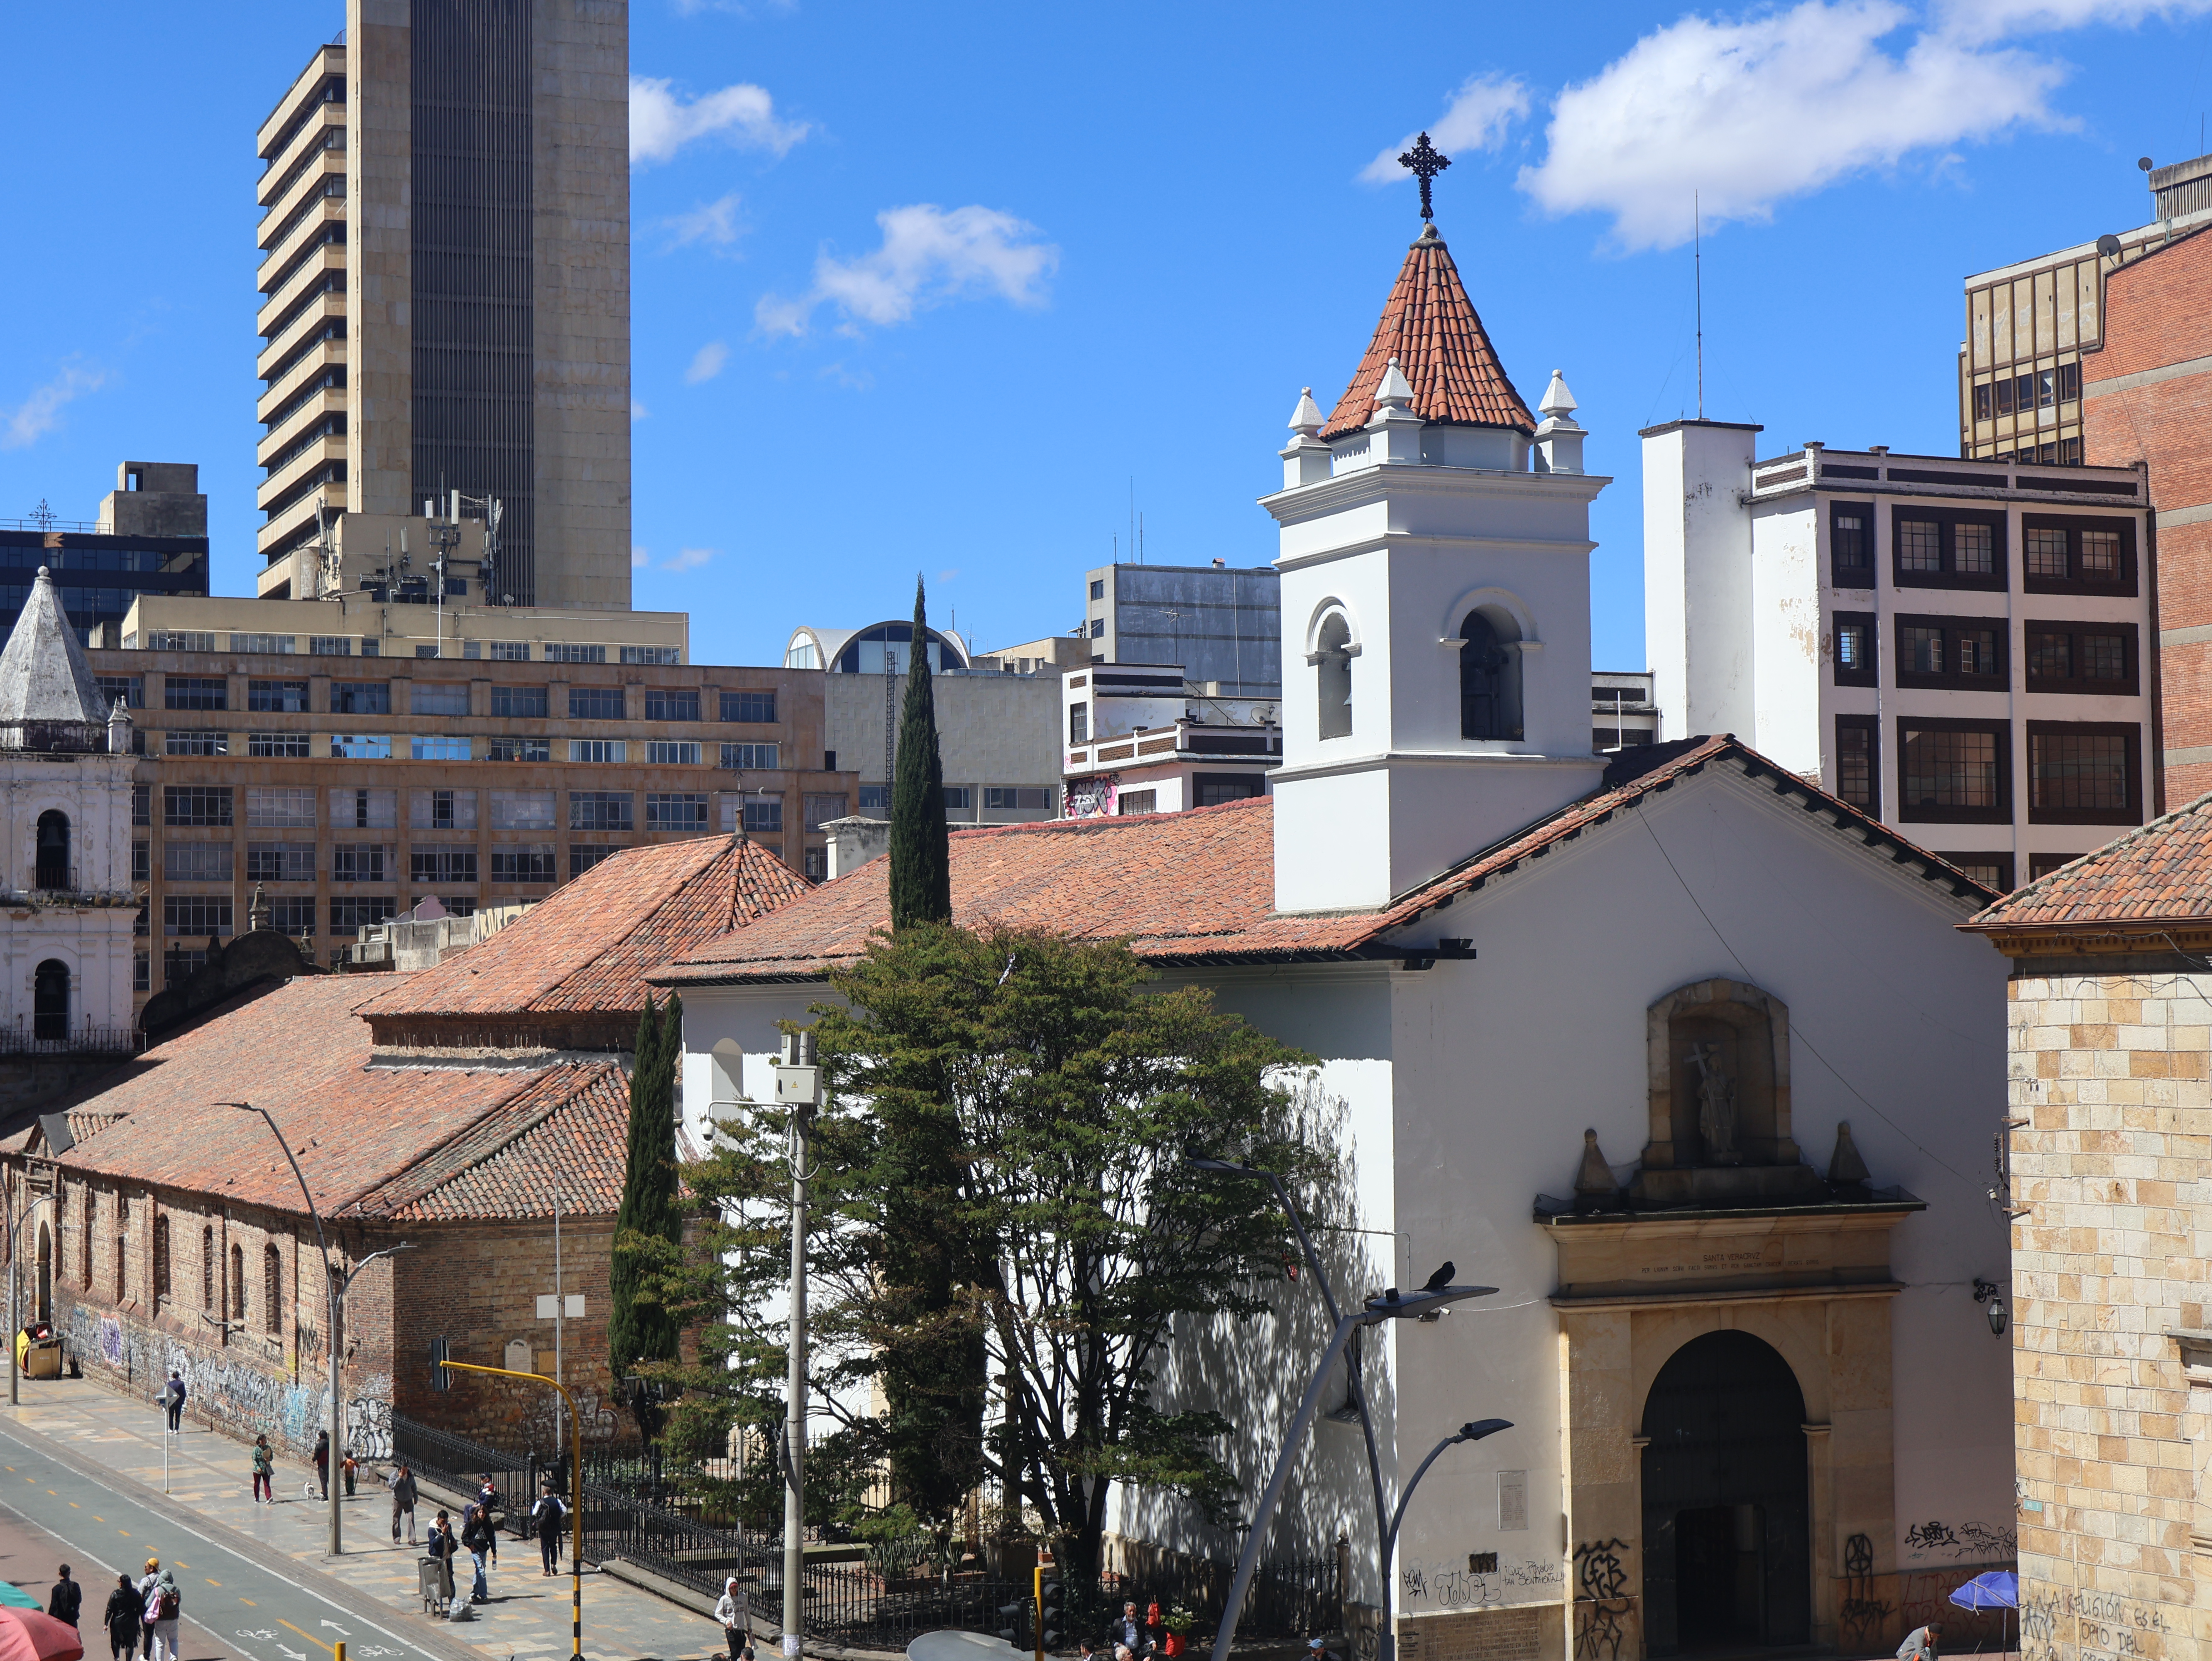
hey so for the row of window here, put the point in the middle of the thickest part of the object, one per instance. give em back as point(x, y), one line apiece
point(1957, 771)
point(279, 807)
point(1968, 653)
point(428, 698)
point(2038, 389)
point(272, 1266)
point(1962, 547)
point(1995, 870)
point(344, 646)
point(383, 747)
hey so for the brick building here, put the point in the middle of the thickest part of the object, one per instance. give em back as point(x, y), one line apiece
point(436, 1109)
point(2109, 1156)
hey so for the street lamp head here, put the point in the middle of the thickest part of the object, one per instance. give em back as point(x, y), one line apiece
point(1392, 1304)
point(1475, 1430)
point(1230, 1167)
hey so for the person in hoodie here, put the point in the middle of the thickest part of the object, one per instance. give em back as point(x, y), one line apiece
point(122, 1617)
point(164, 1606)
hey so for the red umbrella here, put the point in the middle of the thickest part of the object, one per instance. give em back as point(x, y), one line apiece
point(27, 1636)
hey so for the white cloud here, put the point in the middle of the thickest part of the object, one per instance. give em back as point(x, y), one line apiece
point(707, 363)
point(928, 256)
point(1749, 114)
point(35, 416)
point(661, 122)
point(1477, 118)
point(1995, 20)
point(639, 558)
point(714, 223)
point(688, 559)
point(637, 410)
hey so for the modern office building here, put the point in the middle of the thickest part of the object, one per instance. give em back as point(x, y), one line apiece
point(1223, 625)
point(151, 538)
point(1954, 647)
point(445, 303)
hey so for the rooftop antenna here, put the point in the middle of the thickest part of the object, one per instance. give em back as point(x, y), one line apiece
point(1132, 513)
point(1140, 538)
point(1698, 260)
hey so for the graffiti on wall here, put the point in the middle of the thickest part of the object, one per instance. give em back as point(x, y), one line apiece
point(1960, 1542)
point(1601, 1600)
point(1457, 1588)
point(2103, 1621)
point(548, 1419)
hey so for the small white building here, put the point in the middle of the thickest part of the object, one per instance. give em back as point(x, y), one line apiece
point(1963, 649)
point(1142, 739)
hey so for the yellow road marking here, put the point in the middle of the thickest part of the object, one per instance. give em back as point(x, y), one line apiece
point(317, 1642)
point(249, 1602)
point(50, 1495)
point(74, 1506)
point(211, 1583)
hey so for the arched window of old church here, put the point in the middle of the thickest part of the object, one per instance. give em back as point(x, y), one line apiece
point(272, 1290)
point(160, 1258)
point(207, 1269)
point(50, 999)
point(53, 872)
point(1489, 677)
point(1332, 670)
point(237, 1282)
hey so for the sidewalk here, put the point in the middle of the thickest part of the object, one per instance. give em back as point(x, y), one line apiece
point(527, 1616)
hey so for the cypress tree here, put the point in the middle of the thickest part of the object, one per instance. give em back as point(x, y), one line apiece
point(921, 859)
point(641, 1328)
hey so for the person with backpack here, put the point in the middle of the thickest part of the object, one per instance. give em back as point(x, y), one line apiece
point(322, 1459)
point(439, 1546)
point(402, 1483)
point(545, 1523)
point(172, 1402)
point(477, 1536)
point(122, 1618)
point(67, 1599)
point(164, 1604)
point(264, 1472)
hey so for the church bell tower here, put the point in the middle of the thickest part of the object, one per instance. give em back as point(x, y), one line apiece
point(1435, 560)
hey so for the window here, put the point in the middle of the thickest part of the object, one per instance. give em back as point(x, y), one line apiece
point(141, 804)
point(958, 799)
point(360, 697)
point(660, 654)
point(280, 745)
point(1850, 545)
point(279, 644)
point(179, 963)
point(1098, 628)
point(141, 860)
point(196, 861)
point(1138, 801)
point(195, 916)
point(598, 749)
point(595, 703)
point(1098, 588)
point(2084, 773)
point(1016, 799)
point(132, 689)
point(280, 807)
point(583, 856)
point(351, 913)
point(179, 640)
point(764, 813)
point(237, 1281)
point(437, 749)
point(329, 646)
point(196, 803)
point(558, 652)
point(161, 1257)
point(821, 809)
point(442, 809)
point(748, 706)
point(751, 757)
point(360, 746)
point(875, 799)
point(518, 702)
point(279, 861)
point(364, 810)
point(814, 864)
point(51, 871)
point(2081, 555)
point(1855, 655)
point(1954, 652)
point(361, 861)
point(439, 698)
point(684, 814)
point(196, 744)
point(195, 692)
point(600, 810)
point(272, 1290)
point(1990, 870)
point(663, 704)
point(673, 752)
point(1078, 723)
point(1489, 677)
point(519, 750)
point(277, 697)
point(522, 810)
point(531, 862)
point(293, 915)
point(433, 866)
point(1212, 789)
point(2082, 658)
point(207, 1269)
point(1953, 770)
point(1948, 548)
point(508, 651)
point(1333, 671)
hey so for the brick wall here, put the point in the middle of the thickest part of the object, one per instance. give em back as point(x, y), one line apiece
point(2109, 1069)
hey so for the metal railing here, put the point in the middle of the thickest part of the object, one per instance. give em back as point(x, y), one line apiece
point(48, 1035)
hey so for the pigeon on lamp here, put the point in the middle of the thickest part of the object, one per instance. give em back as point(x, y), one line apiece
point(1442, 1278)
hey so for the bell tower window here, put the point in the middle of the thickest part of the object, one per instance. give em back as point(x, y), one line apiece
point(53, 872)
point(1333, 672)
point(1489, 677)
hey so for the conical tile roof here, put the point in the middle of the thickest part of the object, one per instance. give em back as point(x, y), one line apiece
point(1430, 325)
point(44, 675)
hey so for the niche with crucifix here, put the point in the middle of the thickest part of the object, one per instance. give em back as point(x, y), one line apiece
point(1718, 1052)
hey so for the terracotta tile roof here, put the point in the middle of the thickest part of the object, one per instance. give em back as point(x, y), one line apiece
point(1199, 886)
point(587, 947)
point(301, 1052)
point(2145, 882)
point(1430, 325)
point(572, 1125)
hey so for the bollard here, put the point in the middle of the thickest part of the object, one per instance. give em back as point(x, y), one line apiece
point(339, 1653)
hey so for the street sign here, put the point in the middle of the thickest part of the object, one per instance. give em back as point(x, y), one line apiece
point(549, 1306)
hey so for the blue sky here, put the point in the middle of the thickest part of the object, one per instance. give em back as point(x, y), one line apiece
point(932, 288)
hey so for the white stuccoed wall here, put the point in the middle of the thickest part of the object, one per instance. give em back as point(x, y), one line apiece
point(1698, 601)
point(95, 940)
point(1789, 632)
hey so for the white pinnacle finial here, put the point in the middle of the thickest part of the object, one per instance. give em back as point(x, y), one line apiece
point(1558, 400)
point(1305, 420)
point(1395, 389)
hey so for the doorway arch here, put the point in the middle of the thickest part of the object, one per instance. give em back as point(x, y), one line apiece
point(1727, 1523)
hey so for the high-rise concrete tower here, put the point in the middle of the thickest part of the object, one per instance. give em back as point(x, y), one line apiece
point(445, 301)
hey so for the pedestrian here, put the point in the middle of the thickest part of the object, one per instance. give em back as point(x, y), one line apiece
point(402, 1483)
point(322, 1458)
point(1921, 1644)
point(545, 1523)
point(1129, 1632)
point(162, 1610)
point(172, 1399)
point(1086, 1649)
point(147, 1582)
point(264, 1472)
point(122, 1619)
point(67, 1598)
point(348, 1468)
point(1316, 1649)
point(735, 1614)
point(439, 1544)
point(477, 1536)
point(488, 1503)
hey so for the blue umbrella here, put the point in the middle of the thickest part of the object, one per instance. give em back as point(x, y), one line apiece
point(1999, 1588)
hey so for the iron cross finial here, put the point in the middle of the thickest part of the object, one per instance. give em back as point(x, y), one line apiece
point(1427, 161)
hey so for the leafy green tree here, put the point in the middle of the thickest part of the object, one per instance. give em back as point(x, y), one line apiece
point(641, 1325)
point(921, 857)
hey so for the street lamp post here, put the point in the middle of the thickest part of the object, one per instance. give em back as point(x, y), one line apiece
point(576, 1491)
point(14, 1314)
point(1386, 1643)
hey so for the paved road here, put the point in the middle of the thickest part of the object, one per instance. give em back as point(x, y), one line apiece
point(237, 1603)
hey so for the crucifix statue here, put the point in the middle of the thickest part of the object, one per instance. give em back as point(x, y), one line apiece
point(1716, 1105)
point(1427, 161)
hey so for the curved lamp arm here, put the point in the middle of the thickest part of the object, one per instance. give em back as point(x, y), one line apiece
point(1473, 1431)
